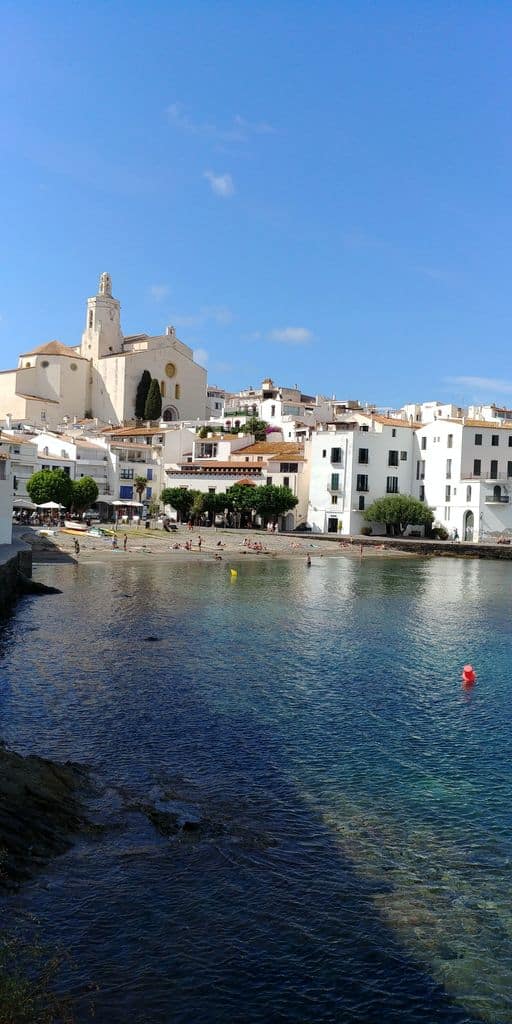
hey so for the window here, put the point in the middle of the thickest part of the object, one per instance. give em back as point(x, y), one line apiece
point(361, 502)
point(468, 492)
point(272, 410)
point(392, 458)
point(478, 439)
point(126, 474)
point(449, 441)
point(335, 481)
point(509, 469)
point(363, 456)
point(495, 440)
point(448, 469)
point(149, 474)
point(365, 428)
point(335, 454)
point(44, 363)
point(392, 485)
point(422, 492)
point(324, 452)
point(493, 474)
point(477, 467)
point(403, 456)
point(423, 444)
point(362, 482)
point(334, 499)
point(393, 432)
point(447, 493)
point(170, 370)
point(420, 469)
point(286, 481)
point(510, 441)
point(288, 467)
point(162, 388)
point(177, 390)
point(126, 492)
point(91, 318)
point(269, 480)
point(211, 490)
point(447, 513)
point(149, 492)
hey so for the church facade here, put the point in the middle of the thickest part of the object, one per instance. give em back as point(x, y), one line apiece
point(54, 383)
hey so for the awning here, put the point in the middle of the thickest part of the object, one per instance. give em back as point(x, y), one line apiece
point(50, 504)
point(128, 504)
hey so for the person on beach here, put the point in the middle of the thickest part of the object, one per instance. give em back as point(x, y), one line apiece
point(199, 543)
point(125, 542)
point(77, 546)
point(308, 561)
point(114, 543)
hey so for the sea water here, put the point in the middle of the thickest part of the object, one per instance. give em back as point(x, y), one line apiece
point(357, 860)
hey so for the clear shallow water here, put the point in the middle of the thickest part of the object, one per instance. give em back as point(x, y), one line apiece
point(359, 863)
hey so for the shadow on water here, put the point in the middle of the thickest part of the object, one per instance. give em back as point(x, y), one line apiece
point(289, 910)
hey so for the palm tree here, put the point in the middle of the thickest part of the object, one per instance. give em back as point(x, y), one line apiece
point(140, 484)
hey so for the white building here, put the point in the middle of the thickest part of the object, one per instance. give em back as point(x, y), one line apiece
point(463, 470)
point(352, 464)
point(54, 383)
point(5, 499)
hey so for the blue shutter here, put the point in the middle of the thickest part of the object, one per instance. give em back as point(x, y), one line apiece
point(126, 492)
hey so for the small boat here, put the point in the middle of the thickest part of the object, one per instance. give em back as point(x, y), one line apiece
point(74, 526)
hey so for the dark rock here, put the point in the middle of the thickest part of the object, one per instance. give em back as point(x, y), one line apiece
point(152, 639)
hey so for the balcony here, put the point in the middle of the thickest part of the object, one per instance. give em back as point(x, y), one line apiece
point(334, 490)
point(496, 499)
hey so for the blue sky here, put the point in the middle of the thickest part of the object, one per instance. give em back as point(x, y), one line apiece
point(318, 191)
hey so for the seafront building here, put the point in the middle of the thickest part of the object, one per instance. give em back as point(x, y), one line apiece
point(5, 499)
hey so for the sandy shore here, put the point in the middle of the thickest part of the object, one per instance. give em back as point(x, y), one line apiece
point(216, 545)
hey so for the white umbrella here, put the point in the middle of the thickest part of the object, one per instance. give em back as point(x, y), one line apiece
point(50, 504)
point(24, 503)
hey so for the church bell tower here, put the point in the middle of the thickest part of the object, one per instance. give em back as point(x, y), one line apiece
point(102, 335)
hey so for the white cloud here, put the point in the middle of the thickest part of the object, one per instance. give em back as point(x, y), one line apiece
point(291, 335)
point(200, 356)
point(237, 130)
point(483, 384)
point(159, 291)
point(221, 184)
point(218, 314)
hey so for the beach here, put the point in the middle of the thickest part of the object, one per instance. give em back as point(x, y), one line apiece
point(206, 545)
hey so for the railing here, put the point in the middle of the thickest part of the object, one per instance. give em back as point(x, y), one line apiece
point(334, 489)
point(503, 477)
point(494, 499)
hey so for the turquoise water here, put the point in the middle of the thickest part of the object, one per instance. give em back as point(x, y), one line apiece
point(357, 860)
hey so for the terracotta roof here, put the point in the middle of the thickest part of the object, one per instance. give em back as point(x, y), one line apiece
point(55, 458)
point(246, 482)
point(83, 444)
point(214, 464)
point(390, 421)
point(507, 425)
point(15, 440)
point(276, 448)
point(53, 348)
point(219, 437)
point(132, 431)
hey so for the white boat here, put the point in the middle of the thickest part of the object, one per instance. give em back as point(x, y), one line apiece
point(75, 525)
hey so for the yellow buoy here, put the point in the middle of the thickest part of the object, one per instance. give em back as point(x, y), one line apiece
point(234, 572)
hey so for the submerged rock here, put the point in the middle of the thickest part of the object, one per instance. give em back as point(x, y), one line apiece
point(40, 810)
point(28, 586)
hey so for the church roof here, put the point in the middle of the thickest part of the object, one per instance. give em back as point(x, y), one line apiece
point(53, 348)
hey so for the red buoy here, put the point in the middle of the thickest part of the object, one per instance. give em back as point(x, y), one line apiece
point(468, 676)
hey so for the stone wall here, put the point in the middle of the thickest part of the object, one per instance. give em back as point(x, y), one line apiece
point(19, 561)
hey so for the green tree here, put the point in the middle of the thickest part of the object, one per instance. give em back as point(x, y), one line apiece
point(271, 501)
point(142, 394)
point(197, 506)
point(216, 504)
point(140, 484)
point(50, 485)
point(398, 511)
point(257, 427)
point(153, 406)
point(242, 500)
point(85, 492)
point(179, 498)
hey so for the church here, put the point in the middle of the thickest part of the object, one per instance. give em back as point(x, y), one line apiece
point(55, 383)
